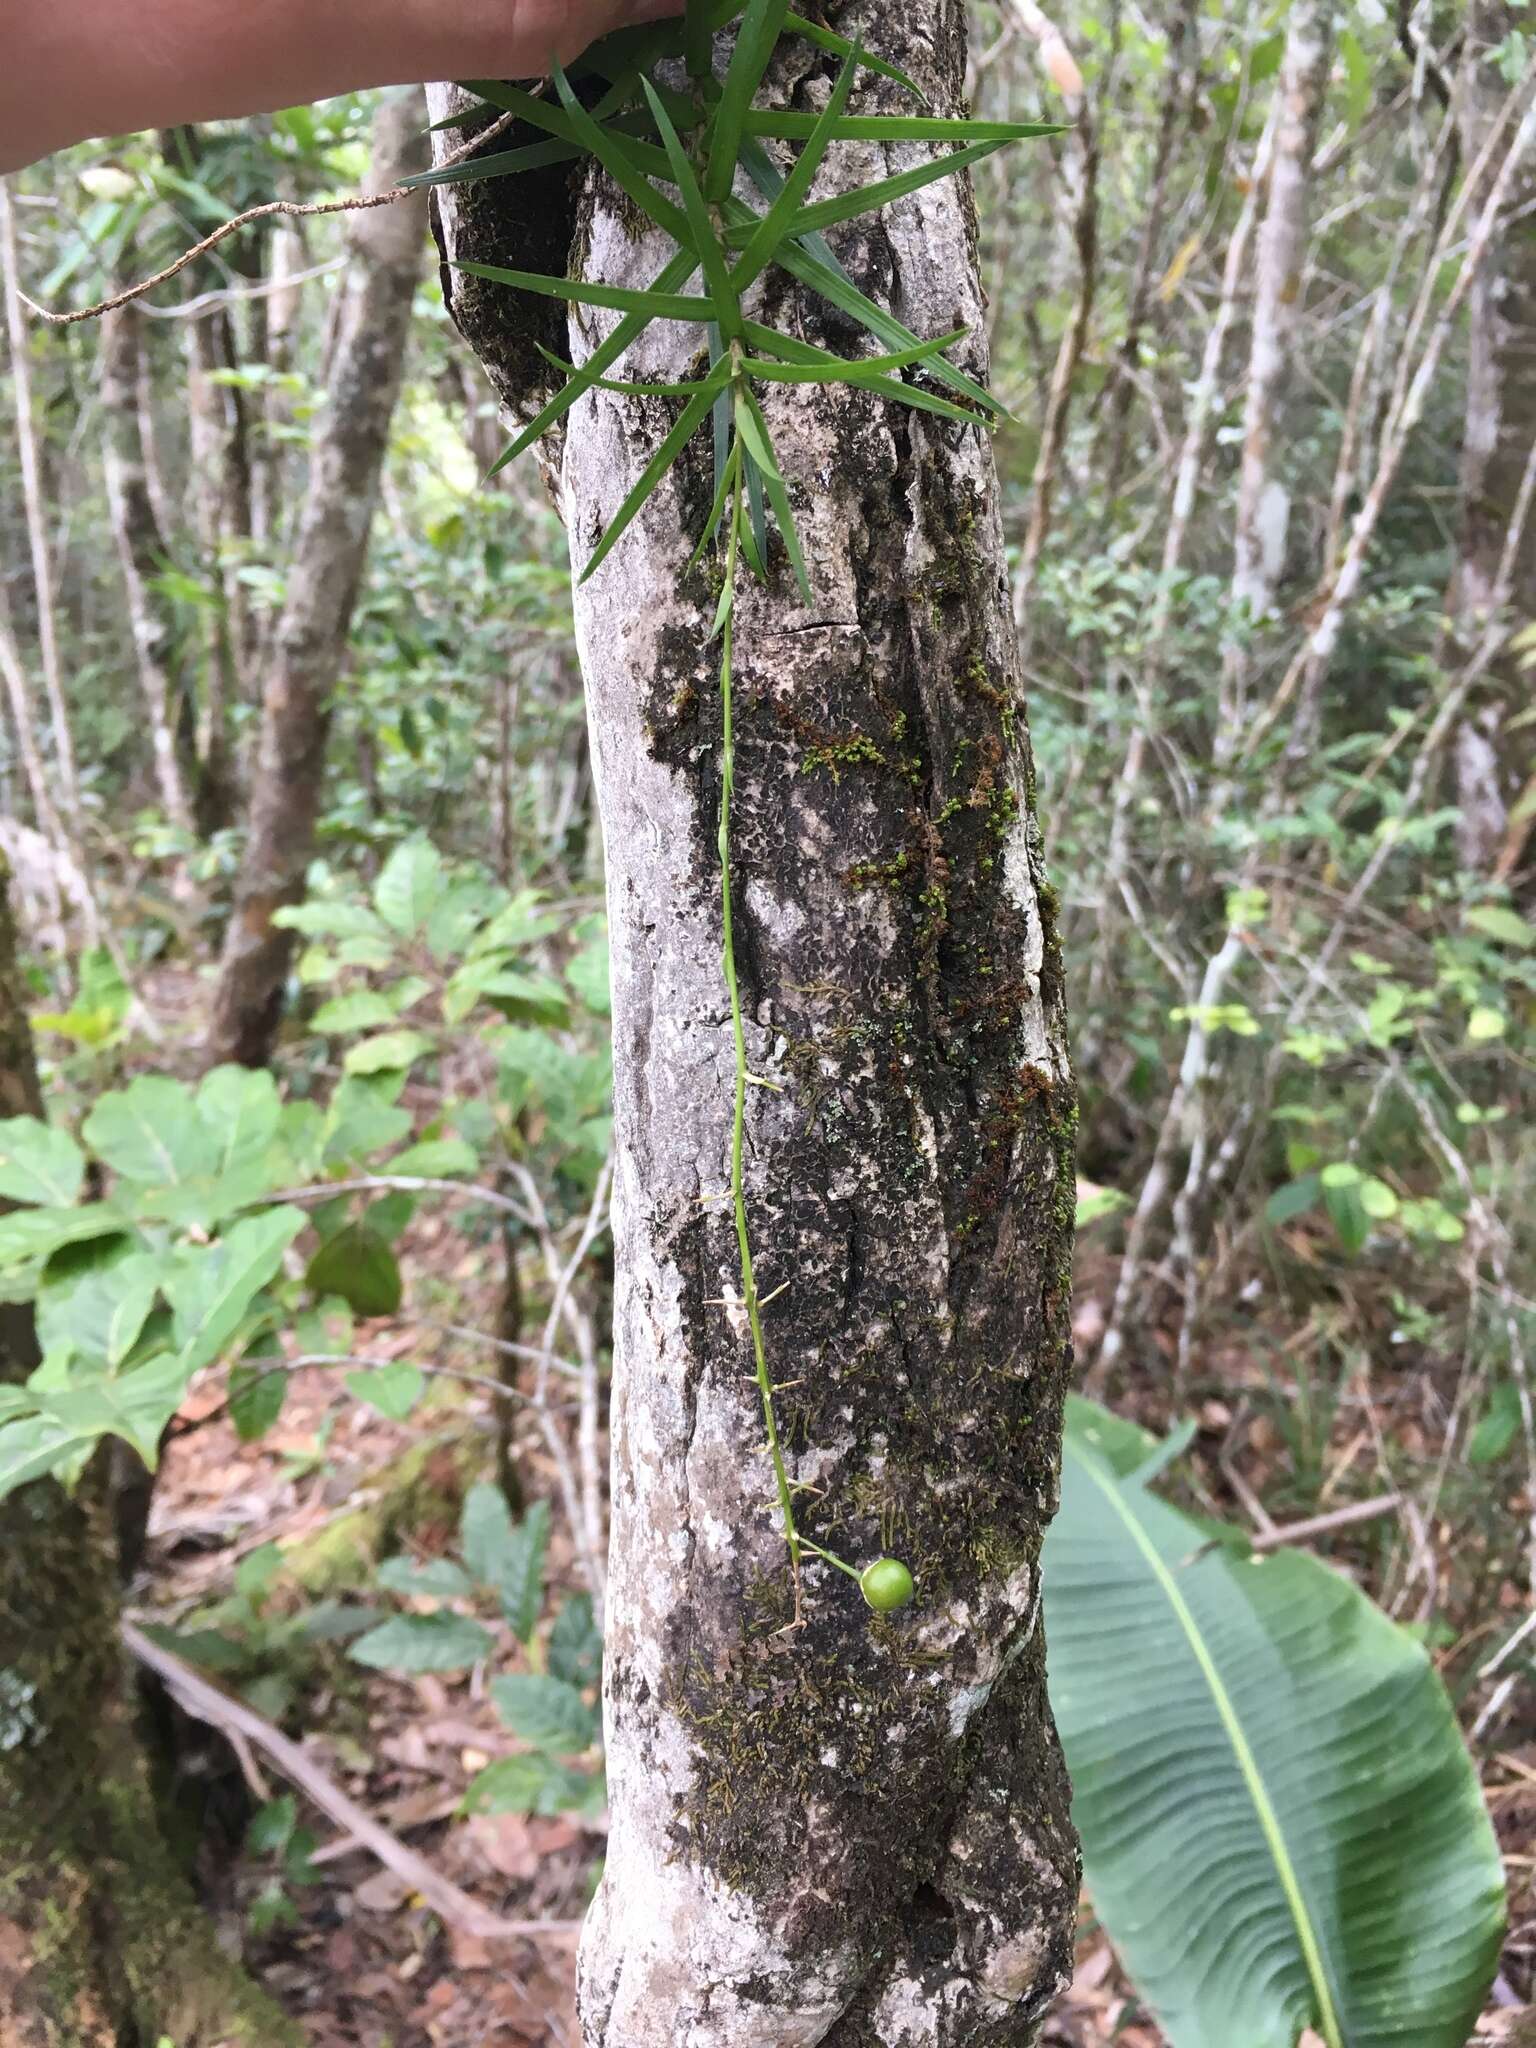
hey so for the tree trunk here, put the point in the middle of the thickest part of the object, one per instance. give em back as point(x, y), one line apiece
point(855, 1833)
point(37, 535)
point(1263, 499)
point(330, 551)
point(101, 1943)
point(141, 553)
point(1493, 762)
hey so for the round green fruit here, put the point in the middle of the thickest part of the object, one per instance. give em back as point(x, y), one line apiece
point(886, 1584)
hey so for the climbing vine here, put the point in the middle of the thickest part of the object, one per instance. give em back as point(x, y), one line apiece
point(680, 153)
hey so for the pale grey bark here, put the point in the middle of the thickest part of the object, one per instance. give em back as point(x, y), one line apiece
point(37, 532)
point(855, 1833)
point(1493, 754)
point(305, 657)
point(1263, 503)
point(140, 553)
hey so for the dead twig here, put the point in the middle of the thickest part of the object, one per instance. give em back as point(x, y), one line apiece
point(271, 209)
point(205, 1702)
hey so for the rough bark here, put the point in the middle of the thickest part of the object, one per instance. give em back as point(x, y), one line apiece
point(855, 1833)
point(1493, 762)
point(141, 554)
point(330, 551)
point(101, 1942)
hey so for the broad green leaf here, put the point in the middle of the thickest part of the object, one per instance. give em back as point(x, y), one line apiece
point(393, 1389)
point(359, 1266)
point(1495, 921)
point(487, 1533)
point(1294, 1199)
point(1498, 1427)
point(413, 1643)
point(39, 1163)
point(72, 1420)
point(437, 1159)
point(547, 1712)
point(211, 1289)
point(1281, 1826)
point(439, 1578)
point(98, 1314)
point(388, 1051)
point(256, 1397)
point(150, 1133)
point(27, 1236)
point(532, 1783)
point(411, 884)
point(360, 1009)
point(330, 920)
point(363, 1118)
point(575, 1648)
point(241, 1110)
point(508, 1556)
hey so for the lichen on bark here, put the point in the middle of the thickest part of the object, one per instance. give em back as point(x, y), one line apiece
point(857, 1832)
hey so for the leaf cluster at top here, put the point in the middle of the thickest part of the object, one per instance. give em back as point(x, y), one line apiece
point(677, 156)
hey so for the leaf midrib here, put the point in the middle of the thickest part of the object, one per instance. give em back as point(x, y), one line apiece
point(1247, 1763)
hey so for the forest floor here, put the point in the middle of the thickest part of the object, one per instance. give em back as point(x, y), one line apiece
point(349, 1949)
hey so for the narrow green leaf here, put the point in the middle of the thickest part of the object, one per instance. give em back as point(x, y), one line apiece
point(627, 388)
point(857, 371)
point(701, 229)
point(755, 40)
point(655, 305)
point(775, 226)
point(755, 538)
point(839, 46)
point(717, 509)
point(868, 199)
point(677, 270)
point(835, 371)
point(698, 39)
point(533, 156)
point(787, 127)
point(754, 431)
point(619, 163)
point(690, 417)
point(811, 261)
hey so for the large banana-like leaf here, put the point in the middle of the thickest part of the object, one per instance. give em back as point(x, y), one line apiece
point(1281, 1827)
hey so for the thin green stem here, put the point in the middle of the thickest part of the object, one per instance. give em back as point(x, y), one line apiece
point(738, 1122)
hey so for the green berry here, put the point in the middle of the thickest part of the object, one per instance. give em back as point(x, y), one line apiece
point(886, 1584)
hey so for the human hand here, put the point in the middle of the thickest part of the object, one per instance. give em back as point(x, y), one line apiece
point(70, 71)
